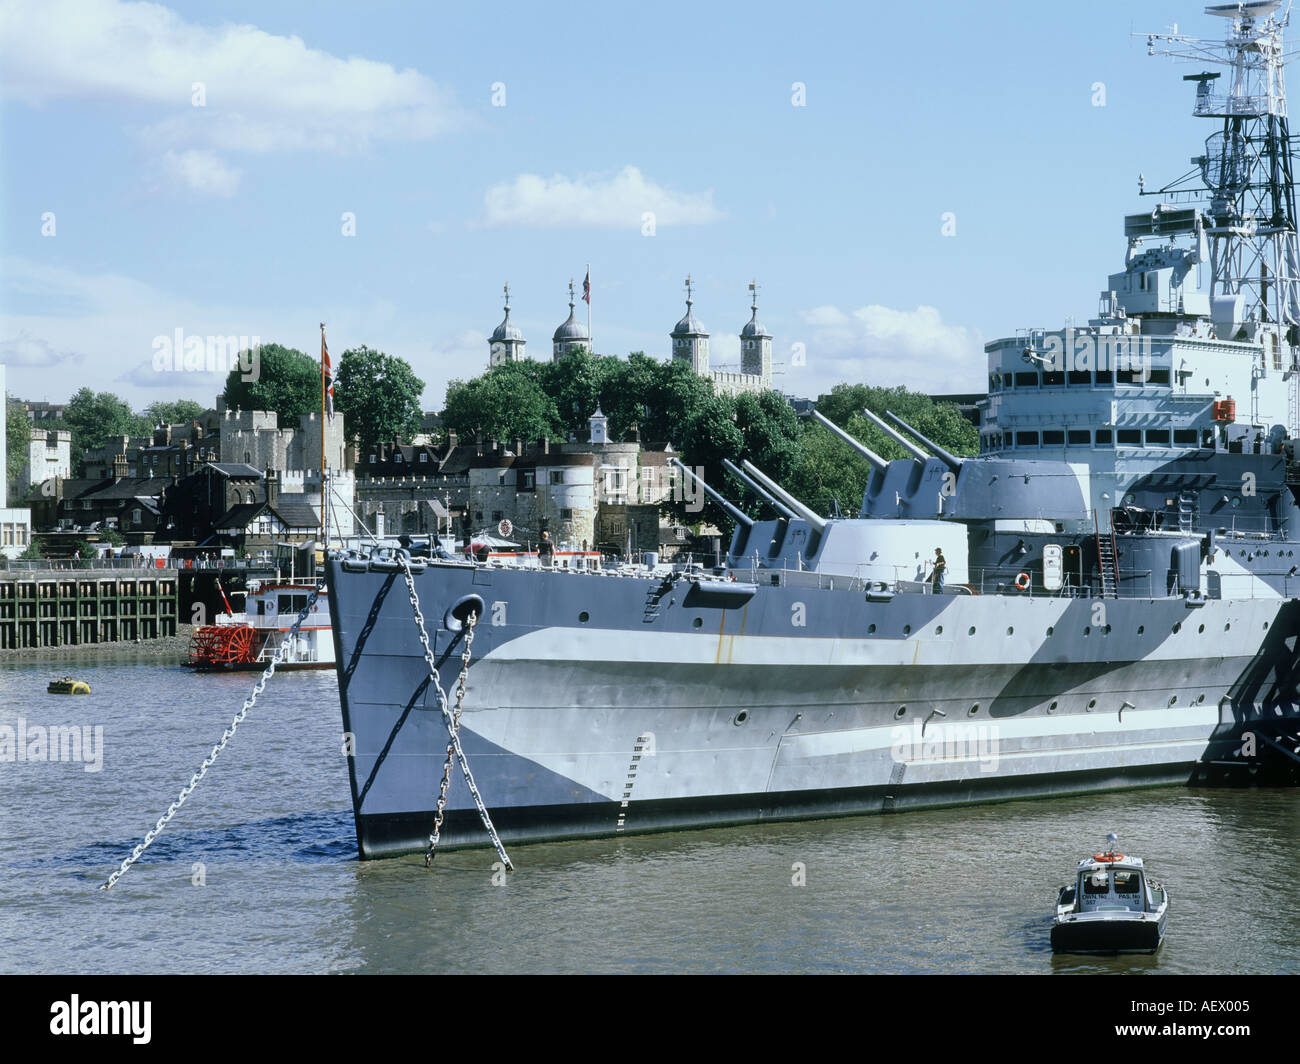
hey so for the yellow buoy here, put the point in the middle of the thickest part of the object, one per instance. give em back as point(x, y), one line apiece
point(68, 686)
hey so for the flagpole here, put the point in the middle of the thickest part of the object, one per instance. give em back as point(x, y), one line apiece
point(323, 501)
point(591, 340)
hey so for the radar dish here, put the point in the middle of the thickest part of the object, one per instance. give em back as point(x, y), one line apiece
point(1247, 10)
point(1224, 166)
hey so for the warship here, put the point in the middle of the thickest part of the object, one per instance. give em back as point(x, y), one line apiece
point(1118, 606)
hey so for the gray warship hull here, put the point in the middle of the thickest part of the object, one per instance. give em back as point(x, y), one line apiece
point(600, 704)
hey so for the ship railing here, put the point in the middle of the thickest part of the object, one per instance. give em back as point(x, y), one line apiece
point(1226, 105)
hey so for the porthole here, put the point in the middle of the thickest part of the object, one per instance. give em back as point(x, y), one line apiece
point(1266, 626)
point(900, 712)
point(871, 629)
point(1173, 699)
point(1141, 628)
point(741, 717)
point(1200, 629)
point(938, 629)
point(1050, 630)
point(973, 710)
point(1087, 630)
point(1178, 627)
point(698, 622)
point(1092, 703)
point(1052, 707)
point(1011, 631)
point(971, 630)
point(584, 617)
point(1227, 626)
point(1106, 630)
point(1200, 698)
point(907, 629)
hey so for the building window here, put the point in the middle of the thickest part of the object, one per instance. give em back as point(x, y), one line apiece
point(372, 459)
point(424, 456)
point(136, 516)
point(566, 515)
point(557, 476)
point(530, 480)
point(497, 515)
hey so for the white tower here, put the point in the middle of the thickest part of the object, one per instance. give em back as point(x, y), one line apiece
point(690, 341)
point(570, 335)
point(756, 344)
point(599, 426)
point(506, 343)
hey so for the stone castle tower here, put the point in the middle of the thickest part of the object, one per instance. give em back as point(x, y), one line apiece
point(506, 344)
point(690, 341)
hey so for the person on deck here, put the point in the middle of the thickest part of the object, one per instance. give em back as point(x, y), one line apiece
point(546, 550)
point(940, 568)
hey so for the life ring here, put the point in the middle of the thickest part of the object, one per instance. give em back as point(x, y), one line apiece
point(1108, 858)
point(1022, 582)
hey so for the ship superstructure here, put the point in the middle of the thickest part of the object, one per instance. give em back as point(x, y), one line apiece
point(1117, 608)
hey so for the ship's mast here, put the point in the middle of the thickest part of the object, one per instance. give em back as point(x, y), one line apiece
point(1245, 175)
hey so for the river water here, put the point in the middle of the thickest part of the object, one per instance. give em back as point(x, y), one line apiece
point(258, 871)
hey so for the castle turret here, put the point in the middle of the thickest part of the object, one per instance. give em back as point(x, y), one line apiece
point(690, 341)
point(572, 334)
point(506, 344)
point(756, 344)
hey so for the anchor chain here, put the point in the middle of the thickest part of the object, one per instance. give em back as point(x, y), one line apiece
point(471, 620)
point(280, 653)
point(452, 722)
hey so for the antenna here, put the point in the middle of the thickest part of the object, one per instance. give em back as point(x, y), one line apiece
point(1245, 170)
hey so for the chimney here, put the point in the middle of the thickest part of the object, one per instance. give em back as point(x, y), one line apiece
point(478, 441)
point(272, 487)
point(119, 466)
point(546, 445)
point(451, 441)
point(519, 447)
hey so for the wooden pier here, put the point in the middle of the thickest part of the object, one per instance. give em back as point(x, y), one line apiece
point(73, 607)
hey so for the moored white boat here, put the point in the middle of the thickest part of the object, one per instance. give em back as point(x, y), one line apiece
point(1112, 907)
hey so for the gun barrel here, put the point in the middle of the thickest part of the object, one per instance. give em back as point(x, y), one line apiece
point(753, 486)
point(947, 457)
point(735, 512)
point(799, 508)
point(896, 436)
point(876, 461)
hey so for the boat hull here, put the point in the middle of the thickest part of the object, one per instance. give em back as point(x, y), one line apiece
point(590, 713)
point(1095, 935)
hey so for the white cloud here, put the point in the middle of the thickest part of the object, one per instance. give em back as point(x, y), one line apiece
point(618, 201)
point(202, 171)
point(881, 346)
point(27, 350)
point(262, 92)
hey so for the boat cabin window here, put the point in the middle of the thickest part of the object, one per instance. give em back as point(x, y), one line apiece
point(1026, 380)
point(1114, 889)
point(292, 603)
point(1080, 436)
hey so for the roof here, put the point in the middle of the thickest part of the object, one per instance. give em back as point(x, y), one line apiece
point(127, 488)
point(507, 330)
point(753, 329)
point(239, 516)
point(689, 325)
point(296, 514)
point(236, 469)
point(571, 329)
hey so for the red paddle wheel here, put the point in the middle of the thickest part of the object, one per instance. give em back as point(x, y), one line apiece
point(216, 646)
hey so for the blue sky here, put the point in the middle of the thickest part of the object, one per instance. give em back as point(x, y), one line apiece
point(227, 218)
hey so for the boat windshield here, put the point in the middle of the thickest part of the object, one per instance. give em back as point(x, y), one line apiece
point(1110, 889)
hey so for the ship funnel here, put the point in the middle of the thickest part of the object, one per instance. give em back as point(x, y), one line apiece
point(896, 436)
point(794, 504)
point(876, 461)
point(948, 459)
point(761, 492)
point(736, 515)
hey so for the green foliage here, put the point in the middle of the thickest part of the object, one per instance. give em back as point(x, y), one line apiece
point(92, 416)
point(18, 435)
point(177, 412)
point(34, 552)
point(941, 422)
point(505, 403)
point(113, 536)
point(379, 396)
point(288, 382)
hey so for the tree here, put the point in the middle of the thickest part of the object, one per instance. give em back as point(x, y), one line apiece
point(941, 422)
point(91, 417)
point(18, 437)
point(379, 396)
point(288, 382)
point(177, 412)
point(505, 403)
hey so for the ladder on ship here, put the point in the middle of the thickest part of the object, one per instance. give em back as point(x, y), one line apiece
point(1186, 511)
point(1107, 557)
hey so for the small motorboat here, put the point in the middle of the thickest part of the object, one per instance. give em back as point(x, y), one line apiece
point(1112, 907)
point(68, 686)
